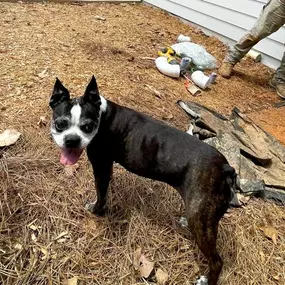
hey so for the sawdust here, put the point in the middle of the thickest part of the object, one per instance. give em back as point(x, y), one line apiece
point(42, 41)
point(272, 120)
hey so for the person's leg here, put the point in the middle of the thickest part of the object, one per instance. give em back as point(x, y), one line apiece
point(280, 72)
point(270, 20)
point(278, 80)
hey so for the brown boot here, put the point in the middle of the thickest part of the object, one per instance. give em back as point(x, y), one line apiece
point(278, 86)
point(226, 69)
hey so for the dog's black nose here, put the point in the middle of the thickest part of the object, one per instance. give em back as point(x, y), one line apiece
point(72, 141)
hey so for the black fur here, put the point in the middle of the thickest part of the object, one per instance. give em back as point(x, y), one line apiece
point(152, 149)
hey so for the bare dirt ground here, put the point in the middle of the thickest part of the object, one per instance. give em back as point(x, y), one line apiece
point(46, 236)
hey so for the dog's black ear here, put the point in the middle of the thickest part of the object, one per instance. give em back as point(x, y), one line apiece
point(59, 94)
point(92, 93)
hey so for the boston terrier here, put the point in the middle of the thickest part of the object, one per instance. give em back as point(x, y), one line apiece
point(149, 148)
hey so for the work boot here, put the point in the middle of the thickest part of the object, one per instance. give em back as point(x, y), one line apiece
point(226, 69)
point(278, 86)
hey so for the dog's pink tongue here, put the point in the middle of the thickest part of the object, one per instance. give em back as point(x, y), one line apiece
point(70, 156)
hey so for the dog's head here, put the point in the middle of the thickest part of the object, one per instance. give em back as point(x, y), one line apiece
point(75, 122)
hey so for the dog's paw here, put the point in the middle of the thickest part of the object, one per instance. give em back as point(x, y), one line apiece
point(183, 222)
point(202, 280)
point(94, 209)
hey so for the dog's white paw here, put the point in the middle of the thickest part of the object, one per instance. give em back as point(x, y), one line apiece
point(94, 209)
point(183, 222)
point(89, 206)
point(202, 280)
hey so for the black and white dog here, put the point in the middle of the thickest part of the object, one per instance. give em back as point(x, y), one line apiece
point(113, 133)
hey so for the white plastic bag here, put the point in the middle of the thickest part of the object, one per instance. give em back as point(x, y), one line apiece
point(201, 58)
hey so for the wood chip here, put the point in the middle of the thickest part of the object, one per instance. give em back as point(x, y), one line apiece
point(100, 18)
point(43, 74)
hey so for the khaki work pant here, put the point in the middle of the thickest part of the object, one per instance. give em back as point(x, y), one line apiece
point(272, 18)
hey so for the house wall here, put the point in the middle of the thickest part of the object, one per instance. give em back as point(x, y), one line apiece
point(227, 20)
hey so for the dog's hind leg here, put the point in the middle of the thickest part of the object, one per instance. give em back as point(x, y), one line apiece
point(203, 213)
point(204, 227)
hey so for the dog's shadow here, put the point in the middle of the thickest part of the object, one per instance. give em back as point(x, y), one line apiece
point(159, 206)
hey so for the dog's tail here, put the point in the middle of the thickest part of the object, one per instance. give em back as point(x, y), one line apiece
point(231, 179)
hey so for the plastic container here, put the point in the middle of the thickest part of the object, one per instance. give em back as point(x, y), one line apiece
point(200, 57)
point(256, 56)
point(181, 38)
point(200, 79)
point(171, 70)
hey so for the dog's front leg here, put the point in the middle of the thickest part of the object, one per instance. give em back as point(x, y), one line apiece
point(102, 173)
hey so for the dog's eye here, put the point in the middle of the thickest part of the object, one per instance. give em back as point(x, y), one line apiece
point(87, 127)
point(61, 125)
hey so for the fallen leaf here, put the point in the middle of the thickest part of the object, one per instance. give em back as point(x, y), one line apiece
point(9, 137)
point(137, 256)
point(146, 266)
point(276, 277)
point(161, 276)
point(72, 281)
point(142, 264)
point(42, 121)
point(70, 170)
point(270, 232)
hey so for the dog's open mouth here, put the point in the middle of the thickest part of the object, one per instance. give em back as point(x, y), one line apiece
point(70, 156)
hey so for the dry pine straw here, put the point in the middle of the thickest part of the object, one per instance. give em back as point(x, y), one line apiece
point(46, 236)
